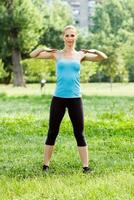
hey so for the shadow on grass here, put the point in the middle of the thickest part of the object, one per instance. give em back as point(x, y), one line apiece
point(42, 96)
point(3, 96)
point(35, 171)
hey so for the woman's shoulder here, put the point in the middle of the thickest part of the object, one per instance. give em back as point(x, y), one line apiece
point(58, 54)
point(81, 54)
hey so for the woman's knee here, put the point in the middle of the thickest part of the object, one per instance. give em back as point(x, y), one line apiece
point(51, 137)
point(80, 138)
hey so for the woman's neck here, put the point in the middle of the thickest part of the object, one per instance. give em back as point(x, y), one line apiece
point(69, 49)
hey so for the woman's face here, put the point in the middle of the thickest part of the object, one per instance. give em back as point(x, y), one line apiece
point(70, 37)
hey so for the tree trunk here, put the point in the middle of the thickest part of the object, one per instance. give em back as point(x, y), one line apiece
point(18, 79)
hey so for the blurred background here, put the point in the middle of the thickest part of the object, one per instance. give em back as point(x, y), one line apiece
point(107, 93)
point(106, 25)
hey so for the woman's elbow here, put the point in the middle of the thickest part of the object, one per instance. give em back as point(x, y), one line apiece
point(32, 55)
point(104, 57)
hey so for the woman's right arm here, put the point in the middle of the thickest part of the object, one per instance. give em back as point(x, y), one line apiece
point(43, 53)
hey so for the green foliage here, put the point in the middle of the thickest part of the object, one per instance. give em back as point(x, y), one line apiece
point(58, 14)
point(88, 69)
point(37, 22)
point(37, 69)
point(84, 39)
point(2, 71)
point(21, 24)
point(99, 19)
point(111, 36)
point(24, 20)
point(128, 52)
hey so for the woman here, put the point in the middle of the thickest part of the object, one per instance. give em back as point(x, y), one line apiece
point(67, 93)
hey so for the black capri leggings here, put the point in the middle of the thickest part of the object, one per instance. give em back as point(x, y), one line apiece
point(57, 111)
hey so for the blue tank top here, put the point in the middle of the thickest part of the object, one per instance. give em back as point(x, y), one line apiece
point(68, 78)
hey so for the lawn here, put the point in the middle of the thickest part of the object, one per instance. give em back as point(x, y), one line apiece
point(109, 130)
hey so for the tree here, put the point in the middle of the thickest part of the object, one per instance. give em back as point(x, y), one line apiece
point(21, 24)
point(2, 71)
point(109, 20)
point(38, 69)
point(128, 52)
point(57, 15)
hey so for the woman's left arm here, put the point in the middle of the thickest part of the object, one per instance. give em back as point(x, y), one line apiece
point(93, 55)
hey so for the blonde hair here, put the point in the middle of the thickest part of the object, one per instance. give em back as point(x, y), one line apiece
point(70, 27)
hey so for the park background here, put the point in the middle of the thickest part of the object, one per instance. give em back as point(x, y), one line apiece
point(108, 100)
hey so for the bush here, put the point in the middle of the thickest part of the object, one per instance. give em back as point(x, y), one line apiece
point(2, 71)
point(37, 69)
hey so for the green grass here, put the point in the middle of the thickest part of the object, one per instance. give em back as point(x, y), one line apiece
point(109, 130)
